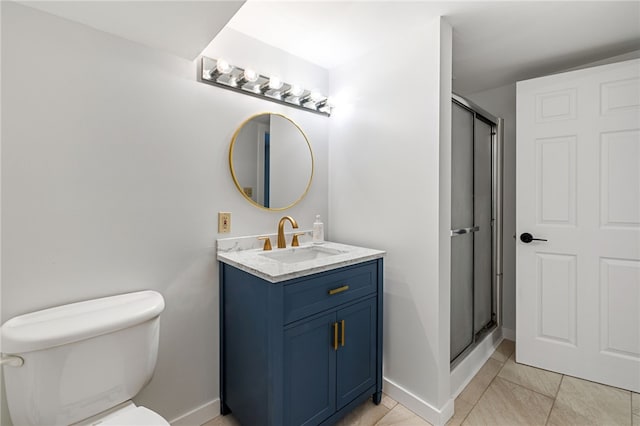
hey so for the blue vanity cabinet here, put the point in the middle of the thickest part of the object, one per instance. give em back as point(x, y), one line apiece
point(300, 352)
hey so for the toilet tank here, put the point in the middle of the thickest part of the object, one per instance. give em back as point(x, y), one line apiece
point(80, 359)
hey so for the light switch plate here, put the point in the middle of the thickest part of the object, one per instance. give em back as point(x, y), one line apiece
point(224, 222)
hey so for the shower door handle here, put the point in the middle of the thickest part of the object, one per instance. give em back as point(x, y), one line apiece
point(462, 231)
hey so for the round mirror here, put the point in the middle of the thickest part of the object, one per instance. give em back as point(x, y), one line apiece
point(271, 161)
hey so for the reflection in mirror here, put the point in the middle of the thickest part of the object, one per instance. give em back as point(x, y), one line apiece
point(271, 161)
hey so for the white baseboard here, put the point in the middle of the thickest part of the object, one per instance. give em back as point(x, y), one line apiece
point(200, 415)
point(462, 374)
point(419, 406)
point(509, 334)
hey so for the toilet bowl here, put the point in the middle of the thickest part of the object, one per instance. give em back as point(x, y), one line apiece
point(125, 414)
point(80, 364)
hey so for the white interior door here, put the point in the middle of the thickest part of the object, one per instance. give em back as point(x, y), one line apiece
point(578, 187)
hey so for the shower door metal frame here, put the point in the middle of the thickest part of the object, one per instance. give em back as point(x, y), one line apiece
point(497, 166)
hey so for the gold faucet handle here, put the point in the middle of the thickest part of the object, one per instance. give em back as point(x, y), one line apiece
point(267, 243)
point(295, 242)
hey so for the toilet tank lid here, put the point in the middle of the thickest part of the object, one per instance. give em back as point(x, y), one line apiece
point(78, 321)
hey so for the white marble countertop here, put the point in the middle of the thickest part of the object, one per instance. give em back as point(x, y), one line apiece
point(241, 253)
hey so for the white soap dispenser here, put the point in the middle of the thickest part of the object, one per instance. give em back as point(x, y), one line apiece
point(318, 231)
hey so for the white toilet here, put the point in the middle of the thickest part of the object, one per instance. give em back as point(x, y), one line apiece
point(82, 363)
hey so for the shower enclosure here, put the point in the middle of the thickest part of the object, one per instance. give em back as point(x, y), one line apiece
point(476, 225)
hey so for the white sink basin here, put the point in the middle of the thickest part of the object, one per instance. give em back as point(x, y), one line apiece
point(301, 254)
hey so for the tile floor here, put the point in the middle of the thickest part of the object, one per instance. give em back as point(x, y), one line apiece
point(510, 394)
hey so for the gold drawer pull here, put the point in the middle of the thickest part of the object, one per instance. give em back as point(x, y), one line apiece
point(335, 336)
point(342, 340)
point(338, 290)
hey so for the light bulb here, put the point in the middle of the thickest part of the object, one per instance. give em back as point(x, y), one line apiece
point(316, 96)
point(275, 83)
point(250, 75)
point(223, 67)
point(296, 90)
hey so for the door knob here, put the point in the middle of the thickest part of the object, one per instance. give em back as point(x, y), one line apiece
point(527, 238)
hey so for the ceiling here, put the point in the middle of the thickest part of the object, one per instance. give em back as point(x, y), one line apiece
point(494, 43)
point(183, 28)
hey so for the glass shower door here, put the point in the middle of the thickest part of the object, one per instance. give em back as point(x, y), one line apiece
point(482, 237)
point(462, 268)
point(472, 295)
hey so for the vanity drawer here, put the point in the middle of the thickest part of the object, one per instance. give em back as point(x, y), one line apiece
point(329, 289)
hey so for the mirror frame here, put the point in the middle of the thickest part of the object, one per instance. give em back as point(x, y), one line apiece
point(235, 178)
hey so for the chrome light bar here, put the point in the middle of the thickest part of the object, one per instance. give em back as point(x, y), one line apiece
point(245, 80)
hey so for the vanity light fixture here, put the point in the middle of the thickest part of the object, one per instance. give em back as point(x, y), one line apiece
point(274, 88)
point(248, 81)
point(294, 95)
point(313, 99)
point(275, 83)
point(316, 96)
point(250, 75)
point(295, 90)
point(221, 73)
point(324, 106)
point(223, 67)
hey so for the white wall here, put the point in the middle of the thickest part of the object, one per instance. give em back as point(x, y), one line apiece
point(390, 189)
point(114, 166)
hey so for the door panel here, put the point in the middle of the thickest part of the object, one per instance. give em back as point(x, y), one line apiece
point(578, 186)
point(556, 291)
point(462, 168)
point(309, 373)
point(356, 352)
point(620, 304)
point(555, 181)
point(482, 238)
point(461, 294)
point(461, 217)
point(620, 192)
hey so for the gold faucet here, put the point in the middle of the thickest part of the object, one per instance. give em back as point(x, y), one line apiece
point(281, 241)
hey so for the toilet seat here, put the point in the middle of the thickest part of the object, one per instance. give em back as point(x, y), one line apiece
point(139, 416)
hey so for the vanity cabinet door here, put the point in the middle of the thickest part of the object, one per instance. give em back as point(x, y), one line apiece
point(310, 371)
point(356, 364)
